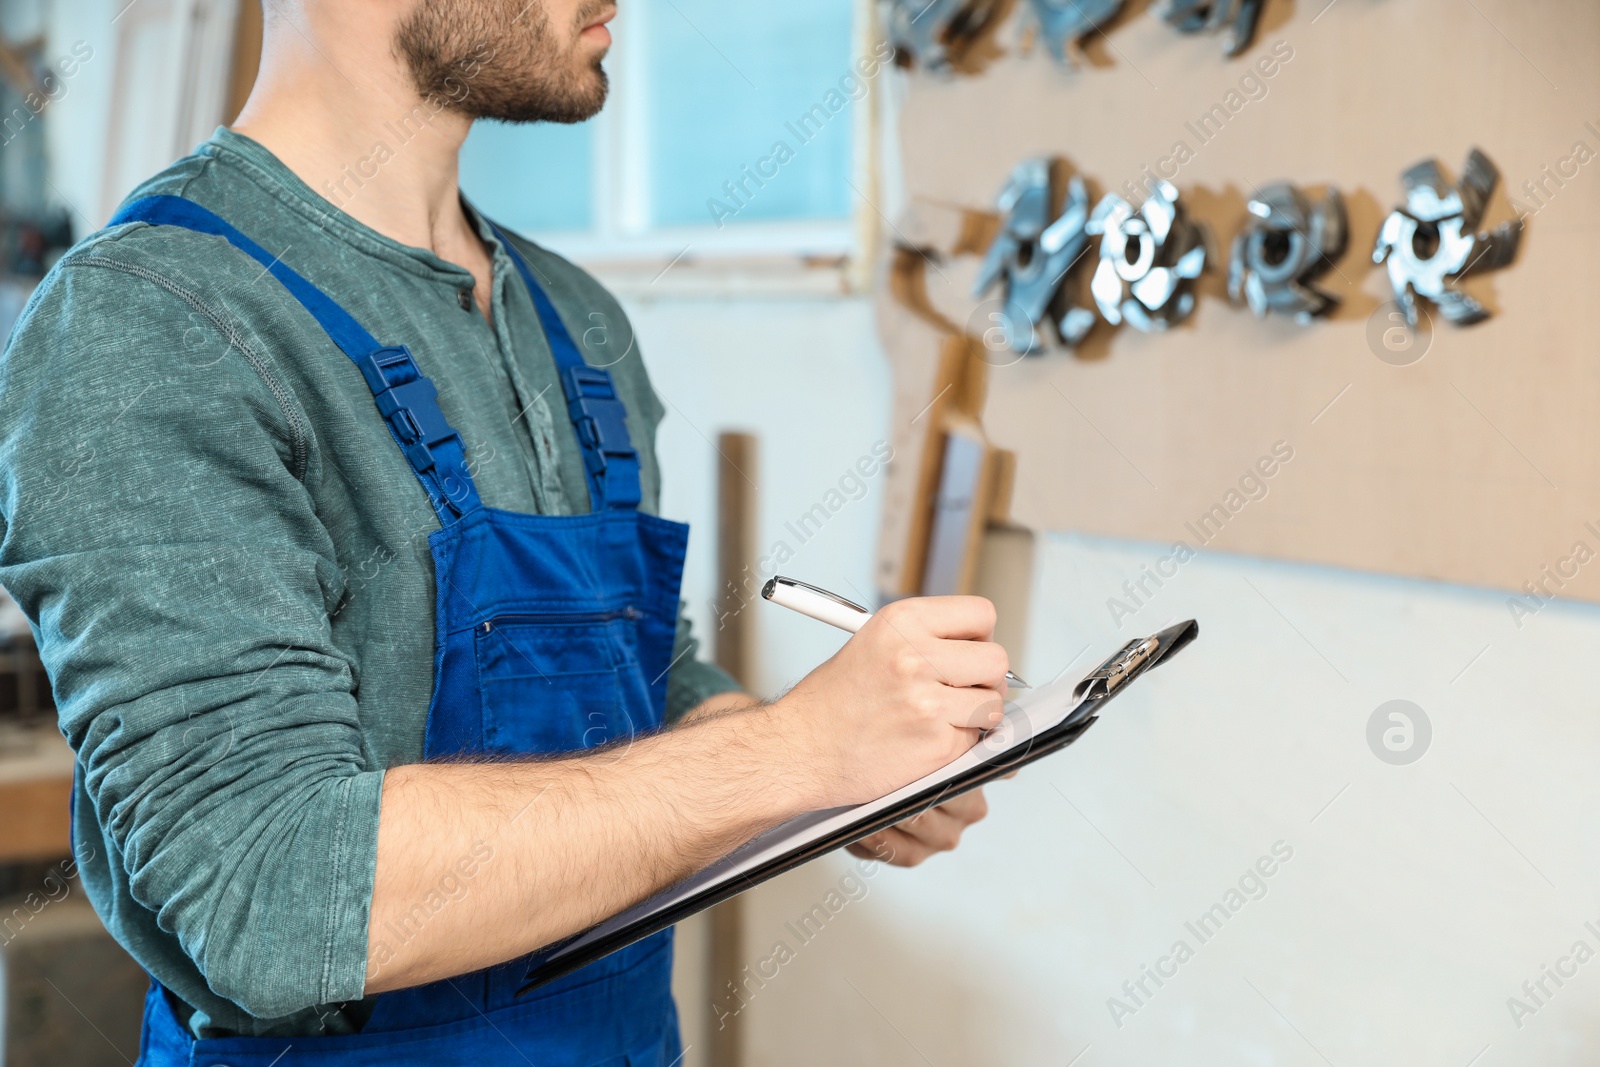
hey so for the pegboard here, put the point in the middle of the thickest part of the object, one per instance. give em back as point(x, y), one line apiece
point(1478, 462)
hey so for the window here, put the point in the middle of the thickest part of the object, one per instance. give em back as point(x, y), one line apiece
point(733, 127)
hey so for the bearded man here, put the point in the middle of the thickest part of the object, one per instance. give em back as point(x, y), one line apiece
point(339, 545)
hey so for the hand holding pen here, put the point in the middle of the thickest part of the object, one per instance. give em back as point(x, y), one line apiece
point(832, 609)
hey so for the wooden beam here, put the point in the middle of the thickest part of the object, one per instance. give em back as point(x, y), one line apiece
point(736, 552)
point(735, 643)
point(35, 793)
point(246, 58)
point(16, 66)
point(36, 826)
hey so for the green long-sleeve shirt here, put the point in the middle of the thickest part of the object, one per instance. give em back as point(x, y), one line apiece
point(224, 558)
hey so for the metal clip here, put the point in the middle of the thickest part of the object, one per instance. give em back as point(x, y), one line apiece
point(1287, 243)
point(1033, 257)
point(1237, 17)
point(936, 35)
point(1064, 23)
point(1433, 240)
point(1149, 259)
point(1117, 671)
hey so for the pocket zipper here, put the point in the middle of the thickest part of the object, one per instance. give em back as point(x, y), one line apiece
point(630, 612)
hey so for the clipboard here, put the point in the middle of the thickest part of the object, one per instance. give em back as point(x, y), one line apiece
point(1037, 723)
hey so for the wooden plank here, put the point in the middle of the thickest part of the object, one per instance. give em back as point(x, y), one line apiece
point(736, 552)
point(35, 791)
point(247, 32)
point(36, 824)
point(961, 510)
point(735, 653)
point(930, 400)
point(1003, 477)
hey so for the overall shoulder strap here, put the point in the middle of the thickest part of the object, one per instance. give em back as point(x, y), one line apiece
point(405, 397)
point(599, 417)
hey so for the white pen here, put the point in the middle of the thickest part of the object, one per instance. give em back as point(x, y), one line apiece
point(832, 609)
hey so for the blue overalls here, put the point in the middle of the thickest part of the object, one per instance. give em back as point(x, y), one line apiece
point(553, 634)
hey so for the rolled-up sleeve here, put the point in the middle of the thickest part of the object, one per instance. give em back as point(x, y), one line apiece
point(160, 536)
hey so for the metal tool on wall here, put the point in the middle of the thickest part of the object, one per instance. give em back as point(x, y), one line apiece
point(1149, 258)
point(1430, 240)
point(1064, 23)
point(1236, 18)
point(1031, 258)
point(933, 34)
point(1287, 243)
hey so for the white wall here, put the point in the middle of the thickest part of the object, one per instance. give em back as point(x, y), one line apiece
point(87, 115)
point(806, 376)
point(78, 122)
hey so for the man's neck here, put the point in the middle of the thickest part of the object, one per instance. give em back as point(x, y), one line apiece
point(354, 128)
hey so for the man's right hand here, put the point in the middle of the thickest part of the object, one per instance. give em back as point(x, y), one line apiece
point(910, 692)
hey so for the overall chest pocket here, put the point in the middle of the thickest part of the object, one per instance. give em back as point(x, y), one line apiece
point(561, 682)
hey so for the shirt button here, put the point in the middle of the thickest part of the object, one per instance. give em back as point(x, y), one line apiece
point(464, 298)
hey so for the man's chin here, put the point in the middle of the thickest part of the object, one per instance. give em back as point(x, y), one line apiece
point(579, 105)
point(540, 95)
point(595, 90)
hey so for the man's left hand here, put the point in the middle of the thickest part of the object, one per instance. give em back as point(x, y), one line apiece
point(935, 830)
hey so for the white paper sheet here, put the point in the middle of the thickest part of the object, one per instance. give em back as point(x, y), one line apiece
point(1030, 714)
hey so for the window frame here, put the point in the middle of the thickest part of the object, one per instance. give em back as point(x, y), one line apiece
point(622, 234)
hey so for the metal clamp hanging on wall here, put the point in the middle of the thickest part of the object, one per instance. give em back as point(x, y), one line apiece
point(1286, 244)
point(1429, 241)
point(1032, 256)
point(1149, 259)
point(933, 34)
point(1064, 23)
point(1237, 17)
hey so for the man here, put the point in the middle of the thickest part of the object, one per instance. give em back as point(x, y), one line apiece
point(331, 651)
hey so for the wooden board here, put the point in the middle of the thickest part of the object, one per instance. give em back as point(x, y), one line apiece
point(1479, 463)
point(35, 790)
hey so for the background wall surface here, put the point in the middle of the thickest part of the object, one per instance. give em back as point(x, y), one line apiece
point(805, 374)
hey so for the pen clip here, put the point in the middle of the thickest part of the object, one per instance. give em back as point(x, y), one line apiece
point(1122, 667)
point(773, 583)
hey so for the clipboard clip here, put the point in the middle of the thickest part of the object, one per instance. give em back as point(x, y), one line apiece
point(1132, 661)
point(1123, 666)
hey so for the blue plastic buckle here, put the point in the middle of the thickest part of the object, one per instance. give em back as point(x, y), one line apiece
point(413, 410)
point(601, 420)
point(409, 402)
point(376, 366)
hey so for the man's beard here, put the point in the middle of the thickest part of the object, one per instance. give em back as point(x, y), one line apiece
point(479, 59)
